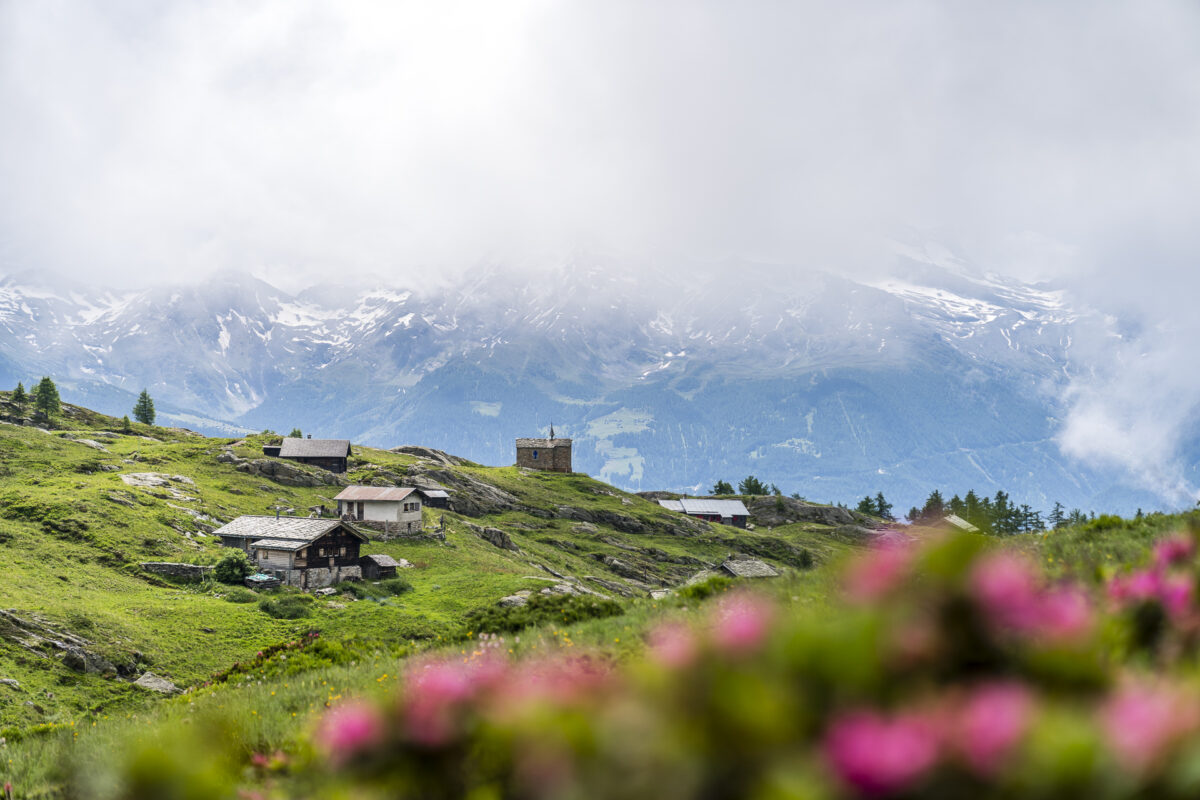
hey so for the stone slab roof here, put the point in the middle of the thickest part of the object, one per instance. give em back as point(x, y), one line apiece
point(297, 529)
point(280, 544)
point(434, 493)
point(749, 568)
point(314, 448)
point(389, 494)
point(544, 444)
point(722, 508)
point(382, 560)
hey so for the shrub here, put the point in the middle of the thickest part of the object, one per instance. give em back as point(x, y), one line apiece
point(395, 586)
point(233, 567)
point(704, 589)
point(562, 609)
point(286, 606)
point(240, 594)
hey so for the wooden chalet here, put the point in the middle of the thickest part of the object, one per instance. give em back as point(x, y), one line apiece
point(330, 454)
point(300, 551)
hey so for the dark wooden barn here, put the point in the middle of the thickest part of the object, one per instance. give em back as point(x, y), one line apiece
point(330, 454)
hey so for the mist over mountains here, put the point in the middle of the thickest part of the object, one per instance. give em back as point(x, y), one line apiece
point(937, 376)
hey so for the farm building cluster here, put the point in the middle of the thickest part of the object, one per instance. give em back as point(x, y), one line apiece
point(317, 551)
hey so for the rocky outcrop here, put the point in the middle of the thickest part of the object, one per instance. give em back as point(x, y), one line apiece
point(88, 662)
point(495, 537)
point(468, 495)
point(285, 473)
point(775, 511)
point(432, 455)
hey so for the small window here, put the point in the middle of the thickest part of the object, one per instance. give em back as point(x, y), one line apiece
point(343, 552)
point(535, 455)
point(321, 551)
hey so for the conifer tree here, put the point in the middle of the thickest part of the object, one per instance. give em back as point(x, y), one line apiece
point(1058, 516)
point(722, 487)
point(752, 485)
point(143, 409)
point(45, 398)
point(126, 425)
point(19, 398)
point(883, 507)
point(297, 434)
point(867, 506)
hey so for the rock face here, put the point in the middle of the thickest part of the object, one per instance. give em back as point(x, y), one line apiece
point(155, 683)
point(431, 454)
point(496, 537)
point(468, 495)
point(775, 511)
point(286, 473)
point(85, 661)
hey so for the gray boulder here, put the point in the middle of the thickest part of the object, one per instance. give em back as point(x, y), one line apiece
point(84, 661)
point(156, 683)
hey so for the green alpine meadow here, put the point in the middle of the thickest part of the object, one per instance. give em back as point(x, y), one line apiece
point(531, 637)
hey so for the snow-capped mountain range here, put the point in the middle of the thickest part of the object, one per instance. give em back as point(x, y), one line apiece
point(934, 377)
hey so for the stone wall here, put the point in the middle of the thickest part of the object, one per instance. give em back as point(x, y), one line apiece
point(171, 569)
point(556, 457)
point(319, 577)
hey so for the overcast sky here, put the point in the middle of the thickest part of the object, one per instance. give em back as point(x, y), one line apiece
point(300, 140)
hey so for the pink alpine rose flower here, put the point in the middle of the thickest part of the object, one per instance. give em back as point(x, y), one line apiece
point(990, 724)
point(741, 622)
point(1007, 589)
point(877, 755)
point(1141, 723)
point(1174, 550)
point(673, 645)
point(878, 573)
point(349, 731)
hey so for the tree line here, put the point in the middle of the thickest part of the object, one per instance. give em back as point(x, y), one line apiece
point(46, 402)
point(997, 515)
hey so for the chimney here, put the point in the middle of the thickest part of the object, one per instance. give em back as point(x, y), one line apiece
point(310, 436)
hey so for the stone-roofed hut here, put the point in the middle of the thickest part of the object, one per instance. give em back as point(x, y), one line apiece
point(551, 455)
point(748, 568)
point(330, 454)
point(376, 566)
point(300, 551)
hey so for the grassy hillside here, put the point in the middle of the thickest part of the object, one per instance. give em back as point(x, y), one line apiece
point(75, 524)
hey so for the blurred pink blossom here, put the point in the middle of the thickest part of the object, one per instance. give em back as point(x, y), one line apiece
point(878, 756)
point(1006, 587)
point(1009, 590)
point(1176, 594)
point(1142, 722)
point(434, 695)
point(878, 572)
point(349, 730)
point(1176, 549)
point(673, 645)
point(741, 622)
point(1065, 613)
point(990, 723)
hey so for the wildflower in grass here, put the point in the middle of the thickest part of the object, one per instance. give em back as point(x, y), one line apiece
point(878, 573)
point(990, 723)
point(741, 622)
point(1065, 614)
point(878, 755)
point(1173, 550)
point(1176, 594)
point(350, 731)
point(436, 694)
